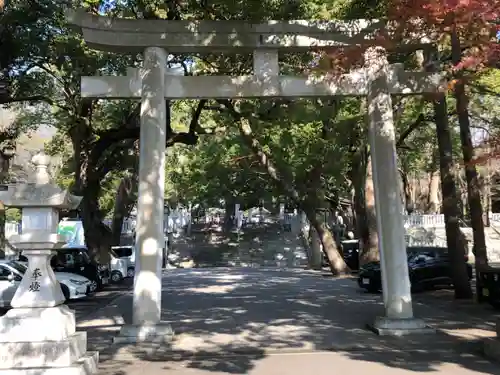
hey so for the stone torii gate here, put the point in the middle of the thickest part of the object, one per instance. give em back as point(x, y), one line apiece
point(154, 83)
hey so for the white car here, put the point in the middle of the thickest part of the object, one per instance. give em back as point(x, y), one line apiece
point(11, 272)
point(124, 254)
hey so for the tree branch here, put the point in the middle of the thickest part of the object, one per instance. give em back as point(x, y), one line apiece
point(264, 159)
point(482, 89)
point(194, 125)
point(410, 129)
point(5, 100)
point(35, 98)
point(421, 120)
point(131, 130)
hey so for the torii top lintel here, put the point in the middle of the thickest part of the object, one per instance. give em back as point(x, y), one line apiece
point(132, 35)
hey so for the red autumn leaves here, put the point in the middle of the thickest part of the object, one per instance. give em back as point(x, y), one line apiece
point(476, 22)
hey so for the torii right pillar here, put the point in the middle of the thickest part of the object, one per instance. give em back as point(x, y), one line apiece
point(398, 319)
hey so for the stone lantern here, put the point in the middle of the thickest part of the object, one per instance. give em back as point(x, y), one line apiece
point(38, 335)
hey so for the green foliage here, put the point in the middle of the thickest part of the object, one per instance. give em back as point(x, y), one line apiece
point(44, 60)
point(13, 214)
point(218, 167)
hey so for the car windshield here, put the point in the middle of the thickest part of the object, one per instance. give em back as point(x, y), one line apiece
point(85, 256)
point(416, 251)
point(71, 257)
point(120, 252)
point(411, 254)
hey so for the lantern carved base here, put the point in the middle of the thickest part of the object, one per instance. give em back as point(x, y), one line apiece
point(44, 341)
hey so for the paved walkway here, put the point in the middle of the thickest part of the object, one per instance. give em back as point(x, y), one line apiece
point(267, 321)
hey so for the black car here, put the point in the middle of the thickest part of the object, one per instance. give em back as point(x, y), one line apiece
point(428, 267)
point(350, 251)
point(76, 260)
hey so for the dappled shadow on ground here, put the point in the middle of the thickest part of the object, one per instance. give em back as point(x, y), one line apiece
point(231, 320)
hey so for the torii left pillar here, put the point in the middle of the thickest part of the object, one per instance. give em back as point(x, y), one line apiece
point(146, 317)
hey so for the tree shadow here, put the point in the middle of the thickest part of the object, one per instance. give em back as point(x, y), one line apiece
point(229, 320)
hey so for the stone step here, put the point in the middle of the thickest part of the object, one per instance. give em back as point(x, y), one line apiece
point(32, 354)
point(86, 365)
point(40, 324)
point(269, 246)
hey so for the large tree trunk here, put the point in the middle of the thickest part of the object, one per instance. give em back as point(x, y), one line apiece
point(357, 175)
point(450, 199)
point(434, 202)
point(5, 159)
point(359, 213)
point(369, 249)
point(473, 189)
point(125, 198)
point(98, 236)
point(335, 260)
point(434, 182)
point(456, 246)
point(3, 220)
point(229, 218)
point(315, 258)
point(407, 188)
point(486, 194)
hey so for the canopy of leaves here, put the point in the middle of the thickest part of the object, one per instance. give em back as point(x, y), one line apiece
point(46, 60)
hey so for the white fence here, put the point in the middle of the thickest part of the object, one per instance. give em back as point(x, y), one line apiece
point(435, 221)
point(173, 222)
point(12, 227)
point(424, 221)
point(179, 219)
point(128, 225)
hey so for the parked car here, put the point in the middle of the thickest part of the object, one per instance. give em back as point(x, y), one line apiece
point(118, 267)
point(488, 285)
point(114, 272)
point(428, 267)
point(11, 273)
point(77, 261)
point(126, 253)
point(350, 250)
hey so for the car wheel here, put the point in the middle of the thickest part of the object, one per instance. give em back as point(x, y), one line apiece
point(93, 286)
point(65, 292)
point(116, 276)
point(131, 272)
point(372, 289)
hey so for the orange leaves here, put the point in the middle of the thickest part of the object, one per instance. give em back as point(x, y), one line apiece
point(409, 21)
point(446, 12)
point(451, 84)
point(474, 21)
point(339, 60)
